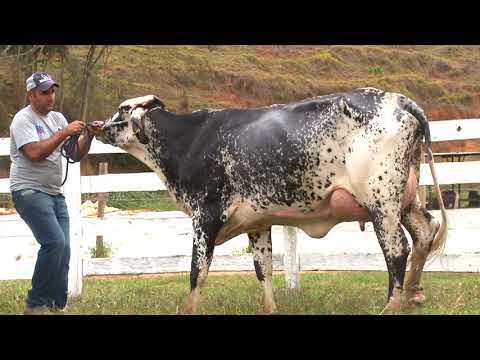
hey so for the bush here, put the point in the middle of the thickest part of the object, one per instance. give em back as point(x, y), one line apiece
point(103, 251)
point(376, 69)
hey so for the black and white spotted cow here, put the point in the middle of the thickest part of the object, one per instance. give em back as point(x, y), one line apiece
point(352, 156)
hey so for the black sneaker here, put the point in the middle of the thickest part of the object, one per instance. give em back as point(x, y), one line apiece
point(57, 311)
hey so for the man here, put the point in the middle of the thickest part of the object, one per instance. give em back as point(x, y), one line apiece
point(37, 134)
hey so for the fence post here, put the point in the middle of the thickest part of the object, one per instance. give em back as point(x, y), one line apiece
point(422, 190)
point(290, 258)
point(101, 203)
point(73, 195)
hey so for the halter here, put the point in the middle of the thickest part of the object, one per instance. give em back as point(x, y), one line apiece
point(117, 123)
point(114, 124)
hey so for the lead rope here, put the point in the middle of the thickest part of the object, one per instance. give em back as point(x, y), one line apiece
point(69, 150)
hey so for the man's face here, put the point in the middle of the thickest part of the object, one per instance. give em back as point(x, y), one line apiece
point(43, 101)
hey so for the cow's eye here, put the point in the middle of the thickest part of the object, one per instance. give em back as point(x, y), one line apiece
point(118, 117)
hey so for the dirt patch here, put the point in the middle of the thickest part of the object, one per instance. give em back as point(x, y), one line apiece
point(4, 211)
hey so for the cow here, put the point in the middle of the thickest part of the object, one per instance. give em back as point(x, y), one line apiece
point(311, 164)
point(450, 199)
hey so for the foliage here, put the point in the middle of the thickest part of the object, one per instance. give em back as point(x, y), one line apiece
point(103, 251)
point(376, 69)
point(138, 200)
point(238, 76)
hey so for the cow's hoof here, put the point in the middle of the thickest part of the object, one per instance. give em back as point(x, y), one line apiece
point(270, 310)
point(416, 298)
point(187, 312)
point(388, 310)
point(393, 307)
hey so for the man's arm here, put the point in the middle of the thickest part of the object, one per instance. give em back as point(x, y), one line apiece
point(84, 143)
point(39, 150)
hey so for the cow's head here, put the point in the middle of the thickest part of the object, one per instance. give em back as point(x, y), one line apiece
point(128, 125)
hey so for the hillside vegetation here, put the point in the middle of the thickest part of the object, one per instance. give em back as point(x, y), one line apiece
point(443, 79)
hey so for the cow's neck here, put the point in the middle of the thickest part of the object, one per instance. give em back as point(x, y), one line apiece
point(170, 138)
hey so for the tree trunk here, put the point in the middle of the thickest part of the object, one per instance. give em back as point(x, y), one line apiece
point(89, 64)
point(20, 92)
point(19, 82)
point(86, 88)
point(86, 93)
point(62, 84)
point(35, 62)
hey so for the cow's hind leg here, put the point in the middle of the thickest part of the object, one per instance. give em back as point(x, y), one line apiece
point(422, 228)
point(384, 193)
point(384, 206)
point(394, 244)
point(261, 243)
point(202, 254)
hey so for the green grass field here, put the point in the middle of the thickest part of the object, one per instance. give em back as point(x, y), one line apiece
point(138, 200)
point(355, 293)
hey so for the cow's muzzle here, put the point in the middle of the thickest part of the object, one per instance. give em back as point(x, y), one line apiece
point(99, 127)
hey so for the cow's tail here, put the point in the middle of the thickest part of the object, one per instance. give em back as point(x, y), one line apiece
point(438, 244)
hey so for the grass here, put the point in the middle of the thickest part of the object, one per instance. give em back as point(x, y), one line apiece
point(6, 201)
point(138, 200)
point(322, 293)
point(134, 200)
point(148, 200)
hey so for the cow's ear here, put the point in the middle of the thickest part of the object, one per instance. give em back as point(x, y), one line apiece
point(124, 108)
point(136, 125)
point(138, 129)
point(157, 102)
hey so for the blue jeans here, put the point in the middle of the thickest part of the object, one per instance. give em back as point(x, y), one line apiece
point(47, 217)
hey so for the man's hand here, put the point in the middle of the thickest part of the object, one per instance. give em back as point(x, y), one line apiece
point(96, 128)
point(39, 150)
point(74, 128)
point(84, 142)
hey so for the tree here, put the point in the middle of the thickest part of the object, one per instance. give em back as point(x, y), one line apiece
point(62, 52)
point(24, 60)
point(27, 59)
point(90, 62)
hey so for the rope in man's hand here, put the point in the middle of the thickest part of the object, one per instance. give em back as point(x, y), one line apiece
point(70, 147)
point(69, 151)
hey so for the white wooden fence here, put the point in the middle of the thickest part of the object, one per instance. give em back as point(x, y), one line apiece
point(448, 173)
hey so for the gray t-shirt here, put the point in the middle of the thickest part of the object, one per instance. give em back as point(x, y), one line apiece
point(44, 175)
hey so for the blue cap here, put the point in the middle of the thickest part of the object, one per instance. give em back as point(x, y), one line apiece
point(41, 81)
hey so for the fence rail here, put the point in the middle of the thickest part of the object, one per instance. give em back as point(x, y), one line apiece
point(233, 263)
point(448, 173)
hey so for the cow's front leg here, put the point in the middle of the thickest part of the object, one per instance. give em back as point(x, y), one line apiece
point(261, 243)
point(395, 248)
point(202, 254)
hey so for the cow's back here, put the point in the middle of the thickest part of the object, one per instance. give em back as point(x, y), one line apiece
point(290, 159)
